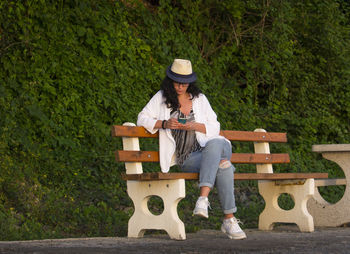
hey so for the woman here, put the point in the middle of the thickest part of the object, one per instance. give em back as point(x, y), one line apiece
point(189, 136)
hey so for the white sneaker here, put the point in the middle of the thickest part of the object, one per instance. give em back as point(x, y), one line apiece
point(231, 228)
point(201, 208)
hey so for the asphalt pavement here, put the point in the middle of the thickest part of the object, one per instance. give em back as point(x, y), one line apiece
point(283, 239)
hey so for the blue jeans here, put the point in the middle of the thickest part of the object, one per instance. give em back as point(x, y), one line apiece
point(206, 162)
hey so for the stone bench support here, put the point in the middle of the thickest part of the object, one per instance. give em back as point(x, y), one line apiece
point(271, 190)
point(324, 213)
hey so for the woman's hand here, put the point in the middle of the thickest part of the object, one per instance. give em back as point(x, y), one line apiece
point(189, 126)
point(172, 123)
point(193, 126)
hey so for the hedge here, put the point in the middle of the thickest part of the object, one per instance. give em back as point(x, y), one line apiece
point(71, 69)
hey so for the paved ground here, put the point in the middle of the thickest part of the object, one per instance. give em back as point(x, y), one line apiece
point(285, 239)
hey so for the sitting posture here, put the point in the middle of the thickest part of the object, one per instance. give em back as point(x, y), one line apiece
point(189, 136)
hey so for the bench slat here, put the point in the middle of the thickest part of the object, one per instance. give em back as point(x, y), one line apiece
point(237, 176)
point(138, 131)
point(254, 136)
point(248, 158)
point(131, 131)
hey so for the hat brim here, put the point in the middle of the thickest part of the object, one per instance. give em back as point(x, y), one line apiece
point(185, 79)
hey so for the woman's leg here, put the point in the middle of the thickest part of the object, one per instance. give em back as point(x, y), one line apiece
point(216, 160)
point(192, 164)
point(225, 187)
point(216, 152)
point(215, 167)
point(212, 154)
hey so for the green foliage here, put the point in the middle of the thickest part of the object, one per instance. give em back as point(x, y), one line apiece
point(71, 69)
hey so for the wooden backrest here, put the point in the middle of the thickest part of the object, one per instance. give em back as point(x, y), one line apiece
point(241, 158)
point(137, 131)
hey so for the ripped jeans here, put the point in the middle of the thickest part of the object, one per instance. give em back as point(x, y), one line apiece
point(206, 162)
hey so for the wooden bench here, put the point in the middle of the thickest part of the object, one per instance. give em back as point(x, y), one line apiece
point(171, 186)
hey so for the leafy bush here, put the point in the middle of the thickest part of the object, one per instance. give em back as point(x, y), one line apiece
point(71, 69)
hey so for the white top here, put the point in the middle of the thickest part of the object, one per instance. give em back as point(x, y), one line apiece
point(156, 109)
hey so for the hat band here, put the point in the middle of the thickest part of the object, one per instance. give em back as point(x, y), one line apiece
point(180, 75)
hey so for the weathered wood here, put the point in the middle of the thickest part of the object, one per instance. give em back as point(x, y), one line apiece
point(330, 182)
point(240, 158)
point(254, 136)
point(290, 182)
point(131, 131)
point(138, 131)
point(331, 148)
point(237, 176)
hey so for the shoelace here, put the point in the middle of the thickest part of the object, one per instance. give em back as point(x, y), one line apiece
point(208, 204)
point(234, 220)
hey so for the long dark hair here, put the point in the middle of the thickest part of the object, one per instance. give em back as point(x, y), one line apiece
point(170, 95)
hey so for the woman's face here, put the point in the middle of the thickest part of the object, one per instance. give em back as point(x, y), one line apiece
point(180, 88)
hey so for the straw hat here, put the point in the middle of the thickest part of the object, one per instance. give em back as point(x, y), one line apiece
point(181, 71)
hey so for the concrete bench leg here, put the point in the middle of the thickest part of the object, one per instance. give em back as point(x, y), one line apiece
point(171, 192)
point(333, 215)
point(298, 215)
point(270, 192)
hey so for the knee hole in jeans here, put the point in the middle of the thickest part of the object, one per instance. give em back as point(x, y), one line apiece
point(225, 164)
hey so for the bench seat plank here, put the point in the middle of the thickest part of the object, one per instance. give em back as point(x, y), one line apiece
point(241, 158)
point(141, 132)
point(237, 176)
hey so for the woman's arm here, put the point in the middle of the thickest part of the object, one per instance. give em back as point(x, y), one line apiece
point(149, 115)
point(172, 123)
point(206, 117)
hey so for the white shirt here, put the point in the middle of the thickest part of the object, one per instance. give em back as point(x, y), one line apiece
point(156, 109)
